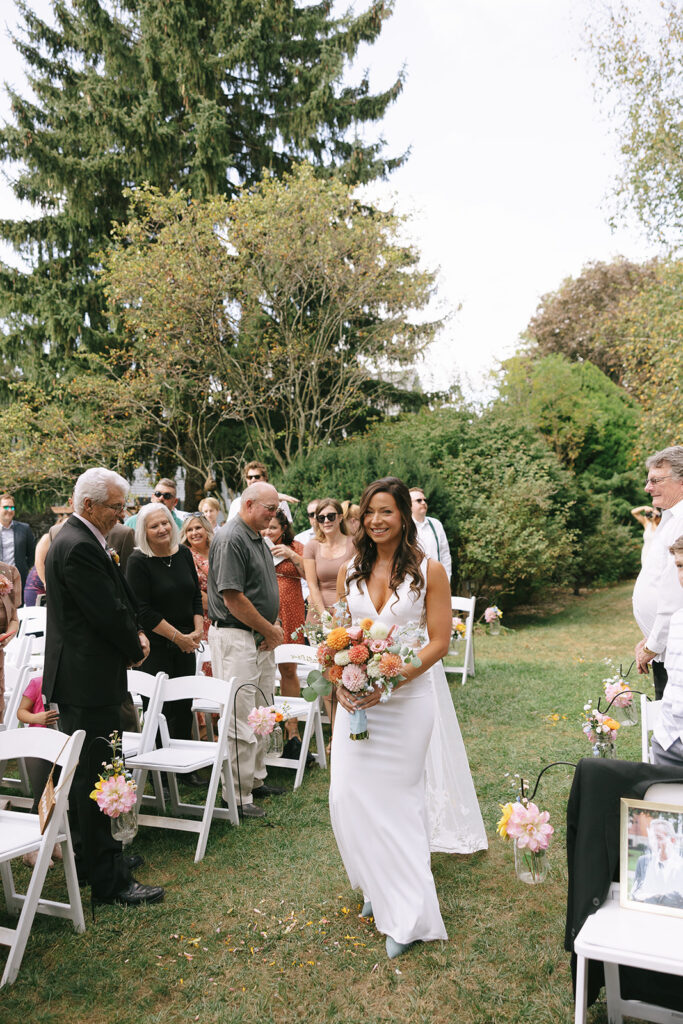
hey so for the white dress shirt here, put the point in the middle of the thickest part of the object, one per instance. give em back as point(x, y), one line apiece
point(657, 593)
point(8, 544)
point(431, 537)
point(669, 727)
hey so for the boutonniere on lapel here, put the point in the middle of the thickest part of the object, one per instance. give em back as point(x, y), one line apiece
point(6, 587)
point(114, 555)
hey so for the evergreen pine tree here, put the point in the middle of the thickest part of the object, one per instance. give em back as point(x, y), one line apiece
point(199, 93)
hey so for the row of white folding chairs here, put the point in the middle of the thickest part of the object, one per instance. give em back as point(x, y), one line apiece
point(296, 707)
point(20, 834)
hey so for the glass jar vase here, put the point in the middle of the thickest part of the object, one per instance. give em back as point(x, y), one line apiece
point(604, 748)
point(531, 866)
point(125, 827)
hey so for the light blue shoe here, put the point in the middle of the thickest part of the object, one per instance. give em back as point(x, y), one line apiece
point(395, 948)
point(367, 909)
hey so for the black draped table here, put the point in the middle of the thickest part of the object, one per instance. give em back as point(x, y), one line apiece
point(593, 834)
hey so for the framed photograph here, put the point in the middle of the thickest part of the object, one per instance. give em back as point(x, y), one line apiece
point(651, 857)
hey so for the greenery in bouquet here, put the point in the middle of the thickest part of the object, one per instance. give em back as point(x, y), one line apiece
point(370, 654)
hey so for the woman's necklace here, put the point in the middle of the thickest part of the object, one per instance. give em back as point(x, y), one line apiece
point(165, 560)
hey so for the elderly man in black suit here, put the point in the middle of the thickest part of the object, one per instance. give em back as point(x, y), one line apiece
point(92, 638)
point(16, 539)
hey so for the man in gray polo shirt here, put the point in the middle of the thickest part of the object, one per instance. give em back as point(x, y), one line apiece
point(244, 603)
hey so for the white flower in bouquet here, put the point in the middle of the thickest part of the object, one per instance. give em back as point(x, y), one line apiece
point(379, 631)
point(342, 658)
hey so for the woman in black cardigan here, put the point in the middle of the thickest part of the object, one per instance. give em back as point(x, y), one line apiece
point(161, 574)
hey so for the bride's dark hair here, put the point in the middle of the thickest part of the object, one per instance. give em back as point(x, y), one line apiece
point(408, 555)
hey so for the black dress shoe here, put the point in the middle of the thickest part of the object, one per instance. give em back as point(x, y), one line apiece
point(262, 791)
point(292, 749)
point(135, 860)
point(251, 811)
point(135, 895)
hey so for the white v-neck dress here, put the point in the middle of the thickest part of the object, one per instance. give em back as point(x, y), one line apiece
point(378, 800)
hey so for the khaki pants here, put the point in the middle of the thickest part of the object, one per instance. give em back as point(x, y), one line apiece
point(234, 653)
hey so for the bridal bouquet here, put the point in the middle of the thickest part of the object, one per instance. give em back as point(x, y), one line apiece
point(361, 658)
point(115, 790)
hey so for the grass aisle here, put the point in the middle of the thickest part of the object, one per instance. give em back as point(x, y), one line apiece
point(265, 929)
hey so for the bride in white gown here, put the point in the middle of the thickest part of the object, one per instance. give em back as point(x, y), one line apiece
point(407, 789)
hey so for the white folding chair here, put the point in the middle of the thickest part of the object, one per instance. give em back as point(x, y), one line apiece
point(180, 757)
point(649, 716)
point(620, 935)
point(143, 684)
point(305, 659)
point(20, 834)
point(32, 619)
point(20, 679)
point(17, 652)
point(465, 604)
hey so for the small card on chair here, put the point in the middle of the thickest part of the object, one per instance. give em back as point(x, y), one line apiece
point(46, 805)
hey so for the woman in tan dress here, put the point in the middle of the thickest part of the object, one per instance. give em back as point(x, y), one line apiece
point(10, 599)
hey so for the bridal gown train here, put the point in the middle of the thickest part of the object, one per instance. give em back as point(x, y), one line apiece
point(403, 791)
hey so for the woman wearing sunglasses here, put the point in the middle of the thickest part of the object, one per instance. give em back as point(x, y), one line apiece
point(325, 554)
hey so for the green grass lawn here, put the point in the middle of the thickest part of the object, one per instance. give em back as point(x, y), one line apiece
point(266, 928)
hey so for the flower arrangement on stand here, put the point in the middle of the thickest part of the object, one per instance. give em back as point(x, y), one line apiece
point(619, 697)
point(601, 731)
point(115, 793)
point(265, 721)
point(458, 631)
point(492, 617)
point(361, 658)
point(531, 830)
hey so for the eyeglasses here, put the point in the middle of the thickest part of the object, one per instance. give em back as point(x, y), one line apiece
point(652, 481)
point(115, 508)
point(269, 508)
point(8, 508)
point(327, 517)
point(255, 476)
point(420, 501)
point(166, 495)
point(311, 515)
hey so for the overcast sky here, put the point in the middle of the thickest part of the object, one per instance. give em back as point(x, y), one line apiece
point(510, 160)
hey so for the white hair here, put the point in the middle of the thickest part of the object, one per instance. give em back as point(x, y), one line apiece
point(97, 485)
point(672, 457)
point(141, 530)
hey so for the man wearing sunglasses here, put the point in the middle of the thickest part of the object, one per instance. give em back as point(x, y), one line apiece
point(257, 473)
point(18, 542)
point(431, 535)
point(163, 494)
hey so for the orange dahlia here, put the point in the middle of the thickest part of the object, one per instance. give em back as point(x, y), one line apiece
point(325, 655)
point(334, 673)
point(358, 654)
point(365, 623)
point(390, 665)
point(338, 639)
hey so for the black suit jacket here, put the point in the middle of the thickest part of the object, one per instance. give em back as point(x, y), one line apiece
point(24, 549)
point(92, 629)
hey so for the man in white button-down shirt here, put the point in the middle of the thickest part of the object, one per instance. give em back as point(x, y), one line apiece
point(657, 593)
point(431, 535)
